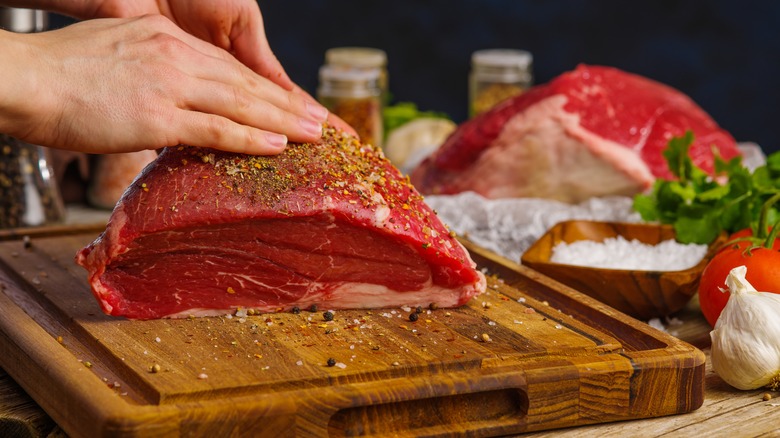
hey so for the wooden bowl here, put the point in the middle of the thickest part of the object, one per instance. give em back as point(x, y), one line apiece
point(641, 294)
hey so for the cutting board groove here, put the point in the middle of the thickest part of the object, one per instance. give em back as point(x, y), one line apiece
point(529, 354)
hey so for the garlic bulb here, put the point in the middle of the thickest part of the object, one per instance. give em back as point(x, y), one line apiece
point(746, 337)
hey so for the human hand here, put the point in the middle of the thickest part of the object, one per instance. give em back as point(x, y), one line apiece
point(234, 25)
point(120, 85)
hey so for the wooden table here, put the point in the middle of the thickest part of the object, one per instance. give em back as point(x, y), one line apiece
point(726, 411)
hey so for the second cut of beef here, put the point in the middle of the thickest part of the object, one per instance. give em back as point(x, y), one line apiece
point(593, 131)
point(333, 224)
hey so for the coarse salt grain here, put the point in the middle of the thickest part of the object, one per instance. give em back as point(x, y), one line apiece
point(620, 253)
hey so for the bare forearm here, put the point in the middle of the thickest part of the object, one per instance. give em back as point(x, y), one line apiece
point(16, 87)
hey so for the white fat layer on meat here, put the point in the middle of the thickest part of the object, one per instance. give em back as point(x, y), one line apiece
point(357, 296)
point(327, 203)
point(102, 293)
point(118, 221)
point(382, 213)
point(545, 152)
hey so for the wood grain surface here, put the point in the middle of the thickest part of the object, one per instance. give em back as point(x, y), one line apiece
point(20, 416)
point(528, 355)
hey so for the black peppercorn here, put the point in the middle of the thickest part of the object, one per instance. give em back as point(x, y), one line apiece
point(313, 308)
point(296, 310)
point(418, 309)
point(331, 362)
point(328, 316)
point(413, 317)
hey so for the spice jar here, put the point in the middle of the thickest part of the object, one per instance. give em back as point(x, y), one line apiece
point(496, 75)
point(354, 95)
point(362, 58)
point(29, 195)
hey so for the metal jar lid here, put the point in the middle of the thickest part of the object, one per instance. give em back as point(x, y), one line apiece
point(23, 20)
point(361, 57)
point(503, 65)
point(345, 82)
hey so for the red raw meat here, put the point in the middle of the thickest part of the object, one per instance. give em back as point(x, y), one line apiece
point(594, 131)
point(202, 232)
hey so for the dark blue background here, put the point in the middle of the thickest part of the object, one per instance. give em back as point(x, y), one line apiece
point(724, 54)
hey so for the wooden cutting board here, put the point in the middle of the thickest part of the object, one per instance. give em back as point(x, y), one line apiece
point(529, 354)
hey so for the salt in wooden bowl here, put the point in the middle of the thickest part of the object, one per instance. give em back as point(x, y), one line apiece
point(643, 294)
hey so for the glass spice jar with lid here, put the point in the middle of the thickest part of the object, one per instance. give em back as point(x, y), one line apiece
point(353, 94)
point(362, 58)
point(496, 75)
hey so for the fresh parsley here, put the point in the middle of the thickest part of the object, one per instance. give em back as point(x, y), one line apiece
point(701, 206)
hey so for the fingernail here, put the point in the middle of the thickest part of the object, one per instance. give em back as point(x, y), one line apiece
point(311, 127)
point(276, 140)
point(318, 112)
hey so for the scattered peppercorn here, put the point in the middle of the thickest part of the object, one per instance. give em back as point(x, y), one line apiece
point(331, 362)
point(418, 309)
point(413, 317)
point(313, 308)
point(766, 396)
point(328, 316)
point(155, 368)
point(433, 306)
point(296, 310)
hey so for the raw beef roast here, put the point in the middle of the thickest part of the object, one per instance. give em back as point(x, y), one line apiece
point(594, 131)
point(202, 232)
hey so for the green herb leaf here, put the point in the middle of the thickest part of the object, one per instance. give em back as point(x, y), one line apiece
point(701, 230)
point(701, 206)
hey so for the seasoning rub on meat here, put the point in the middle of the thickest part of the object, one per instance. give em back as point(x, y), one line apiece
point(204, 232)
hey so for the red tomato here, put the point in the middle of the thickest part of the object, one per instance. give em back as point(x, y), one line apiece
point(763, 272)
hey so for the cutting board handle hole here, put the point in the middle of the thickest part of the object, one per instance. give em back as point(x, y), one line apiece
point(501, 409)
